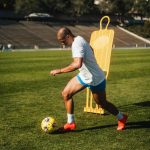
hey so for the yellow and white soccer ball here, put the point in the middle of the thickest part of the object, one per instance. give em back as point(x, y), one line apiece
point(48, 124)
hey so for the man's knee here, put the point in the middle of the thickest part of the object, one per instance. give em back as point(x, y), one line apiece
point(66, 95)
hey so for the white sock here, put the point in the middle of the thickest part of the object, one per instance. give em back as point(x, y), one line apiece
point(70, 118)
point(119, 116)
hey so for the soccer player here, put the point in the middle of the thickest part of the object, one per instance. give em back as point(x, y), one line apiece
point(90, 75)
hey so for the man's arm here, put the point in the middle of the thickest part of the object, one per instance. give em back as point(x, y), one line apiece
point(76, 64)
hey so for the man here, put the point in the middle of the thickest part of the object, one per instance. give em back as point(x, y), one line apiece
point(90, 75)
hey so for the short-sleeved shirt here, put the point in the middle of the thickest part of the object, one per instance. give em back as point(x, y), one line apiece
point(90, 72)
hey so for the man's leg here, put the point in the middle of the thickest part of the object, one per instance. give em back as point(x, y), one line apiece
point(100, 98)
point(71, 88)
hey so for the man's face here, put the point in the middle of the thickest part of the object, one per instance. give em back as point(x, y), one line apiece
point(63, 40)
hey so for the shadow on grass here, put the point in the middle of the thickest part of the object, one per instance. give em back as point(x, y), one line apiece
point(129, 125)
point(143, 104)
point(135, 106)
point(138, 125)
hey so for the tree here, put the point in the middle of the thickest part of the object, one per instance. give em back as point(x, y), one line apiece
point(121, 7)
point(79, 7)
point(7, 4)
point(27, 6)
point(55, 6)
point(142, 7)
point(105, 6)
point(46, 6)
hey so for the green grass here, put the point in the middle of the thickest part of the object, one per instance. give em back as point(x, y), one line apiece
point(28, 94)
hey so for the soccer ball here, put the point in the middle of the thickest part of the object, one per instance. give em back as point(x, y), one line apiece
point(48, 124)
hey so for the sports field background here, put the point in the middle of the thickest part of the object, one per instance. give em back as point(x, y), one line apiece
point(28, 94)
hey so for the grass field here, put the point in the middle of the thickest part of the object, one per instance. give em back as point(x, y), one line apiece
point(28, 94)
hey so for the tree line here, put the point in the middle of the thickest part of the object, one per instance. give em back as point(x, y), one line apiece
point(78, 7)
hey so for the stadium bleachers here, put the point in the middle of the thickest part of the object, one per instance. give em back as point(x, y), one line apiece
point(122, 39)
point(28, 34)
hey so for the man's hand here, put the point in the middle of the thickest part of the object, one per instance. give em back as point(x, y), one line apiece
point(54, 72)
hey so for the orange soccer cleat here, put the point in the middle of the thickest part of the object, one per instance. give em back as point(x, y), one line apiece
point(69, 126)
point(121, 123)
